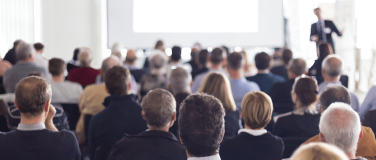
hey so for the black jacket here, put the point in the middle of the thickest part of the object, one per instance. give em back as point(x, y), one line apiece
point(11, 56)
point(315, 71)
point(149, 145)
point(280, 93)
point(280, 71)
point(331, 26)
point(122, 115)
point(232, 123)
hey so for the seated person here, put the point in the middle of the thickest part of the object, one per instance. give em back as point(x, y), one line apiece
point(303, 121)
point(281, 92)
point(130, 63)
point(11, 55)
point(84, 75)
point(340, 126)
point(158, 110)
point(32, 140)
point(62, 91)
point(24, 65)
point(338, 93)
point(322, 151)
point(254, 141)
point(369, 102)
point(74, 63)
point(201, 126)
point(122, 115)
point(39, 59)
point(264, 78)
point(323, 49)
point(202, 66)
point(282, 70)
point(217, 85)
point(176, 61)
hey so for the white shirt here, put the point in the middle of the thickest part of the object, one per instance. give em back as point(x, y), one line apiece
point(42, 62)
point(65, 92)
point(253, 132)
point(215, 157)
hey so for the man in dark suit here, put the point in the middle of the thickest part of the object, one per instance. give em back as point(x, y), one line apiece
point(159, 111)
point(11, 55)
point(322, 30)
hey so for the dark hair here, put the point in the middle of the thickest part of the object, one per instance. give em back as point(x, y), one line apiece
point(201, 124)
point(286, 55)
point(32, 94)
point(324, 50)
point(75, 54)
point(117, 80)
point(203, 57)
point(38, 46)
point(316, 9)
point(176, 53)
point(216, 56)
point(56, 66)
point(334, 93)
point(158, 44)
point(235, 60)
point(262, 60)
point(306, 91)
point(226, 49)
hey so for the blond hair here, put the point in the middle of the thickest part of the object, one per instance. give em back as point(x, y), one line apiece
point(257, 109)
point(319, 151)
point(217, 85)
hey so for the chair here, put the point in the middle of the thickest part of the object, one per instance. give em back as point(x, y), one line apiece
point(73, 113)
point(282, 108)
point(291, 144)
point(344, 80)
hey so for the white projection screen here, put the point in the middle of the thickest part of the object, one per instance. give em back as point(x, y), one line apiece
point(244, 23)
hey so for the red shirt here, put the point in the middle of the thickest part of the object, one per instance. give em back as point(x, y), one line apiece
point(84, 76)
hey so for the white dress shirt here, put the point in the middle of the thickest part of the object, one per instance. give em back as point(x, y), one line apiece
point(253, 132)
point(215, 157)
point(31, 127)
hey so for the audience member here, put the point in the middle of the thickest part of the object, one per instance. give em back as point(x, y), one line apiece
point(159, 112)
point(217, 59)
point(32, 140)
point(264, 78)
point(247, 66)
point(369, 103)
point(194, 53)
point(157, 77)
point(239, 85)
point(84, 75)
point(159, 46)
point(91, 99)
point(39, 60)
point(254, 142)
point(180, 85)
point(338, 93)
point(281, 92)
point(201, 126)
point(25, 65)
point(340, 126)
point(323, 49)
point(130, 63)
point(62, 91)
point(11, 55)
point(120, 116)
point(319, 151)
point(283, 69)
point(176, 61)
point(331, 72)
point(303, 121)
point(217, 85)
point(202, 59)
point(74, 63)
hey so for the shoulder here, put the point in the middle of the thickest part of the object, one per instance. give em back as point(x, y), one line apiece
point(72, 84)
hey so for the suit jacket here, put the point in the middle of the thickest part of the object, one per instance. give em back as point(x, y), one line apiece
point(370, 119)
point(232, 123)
point(294, 125)
point(280, 71)
point(280, 93)
point(137, 74)
point(328, 24)
point(315, 70)
point(149, 145)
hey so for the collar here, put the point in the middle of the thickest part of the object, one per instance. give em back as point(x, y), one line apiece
point(25, 63)
point(31, 127)
point(115, 99)
point(253, 132)
point(154, 133)
point(323, 84)
point(214, 157)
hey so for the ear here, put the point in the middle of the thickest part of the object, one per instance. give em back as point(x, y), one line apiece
point(191, 84)
point(360, 135)
point(130, 86)
point(143, 115)
point(223, 135)
point(169, 87)
point(173, 118)
point(321, 137)
point(15, 103)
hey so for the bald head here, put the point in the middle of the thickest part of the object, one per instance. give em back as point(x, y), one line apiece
point(332, 66)
point(85, 57)
point(298, 67)
point(131, 57)
point(108, 63)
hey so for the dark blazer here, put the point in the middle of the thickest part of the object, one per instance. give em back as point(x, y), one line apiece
point(232, 123)
point(303, 126)
point(180, 97)
point(122, 115)
point(265, 81)
point(369, 120)
point(247, 147)
point(280, 71)
point(315, 70)
point(280, 93)
point(328, 24)
point(149, 145)
point(193, 64)
point(137, 74)
point(198, 71)
point(11, 56)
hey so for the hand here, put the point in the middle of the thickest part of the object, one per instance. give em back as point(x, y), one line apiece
point(315, 38)
point(50, 115)
point(341, 31)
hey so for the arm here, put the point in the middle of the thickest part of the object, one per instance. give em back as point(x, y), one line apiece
point(49, 123)
point(367, 103)
point(334, 29)
point(313, 35)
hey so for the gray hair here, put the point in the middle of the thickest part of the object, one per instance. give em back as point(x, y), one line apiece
point(24, 51)
point(108, 63)
point(159, 106)
point(85, 57)
point(298, 66)
point(340, 126)
point(332, 66)
point(180, 80)
point(157, 61)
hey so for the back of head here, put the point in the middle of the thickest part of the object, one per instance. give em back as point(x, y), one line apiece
point(157, 61)
point(298, 66)
point(235, 61)
point(262, 61)
point(24, 51)
point(159, 45)
point(32, 94)
point(176, 53)
point(334, 93)
point(159, 106)
point(217, 56)
point(324, 49)
point(38, 46)
point(85, 57)
point(203, 57)
point(180, 80)
point(340, 126)
point(332, 66)
point(201, 124)
point(286, 55)
point(218, 85)
point(56, 66)
point(305, 89)
point(257, 109)
point(109, 63)
point(117, 80)
point(131, 56)
point(319, 151)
